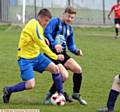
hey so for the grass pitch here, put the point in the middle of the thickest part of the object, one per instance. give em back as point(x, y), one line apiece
point(100, 63)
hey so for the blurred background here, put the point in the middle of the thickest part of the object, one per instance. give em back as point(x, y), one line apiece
point(89, 12)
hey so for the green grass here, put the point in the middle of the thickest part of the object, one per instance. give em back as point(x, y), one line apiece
point(100, 63)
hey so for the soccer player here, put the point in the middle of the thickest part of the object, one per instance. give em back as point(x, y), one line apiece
point(31, 58)
point(59, 32)
point(116, 9)
point(113, 94)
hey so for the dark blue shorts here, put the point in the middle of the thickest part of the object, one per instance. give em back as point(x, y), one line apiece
point(117, 21)
point(28, 66)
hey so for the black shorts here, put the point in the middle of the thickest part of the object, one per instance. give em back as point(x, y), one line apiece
point(117, 21)
point(119, 76)
point(66, 57)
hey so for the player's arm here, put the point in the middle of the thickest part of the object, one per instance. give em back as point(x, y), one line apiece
point(72, 47)
point(110, 12)
point(50, 30)
point(41, 42)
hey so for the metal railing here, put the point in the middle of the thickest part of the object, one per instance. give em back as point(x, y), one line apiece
point(90, 12)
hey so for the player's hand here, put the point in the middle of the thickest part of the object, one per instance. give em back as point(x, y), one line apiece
point(79, 52)
point(60, 57)
point(58, 48)
point(47, 41)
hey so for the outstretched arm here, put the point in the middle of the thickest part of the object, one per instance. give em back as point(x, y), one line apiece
point(39, 39)
point(72, 47)
point(110, 12)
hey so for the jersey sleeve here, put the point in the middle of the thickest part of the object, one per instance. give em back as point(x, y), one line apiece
point(71, 43)
point(39, 38)
point(50, 31)
point(113, 7)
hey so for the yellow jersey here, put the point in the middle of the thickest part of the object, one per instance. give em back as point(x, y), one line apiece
point(32, 42)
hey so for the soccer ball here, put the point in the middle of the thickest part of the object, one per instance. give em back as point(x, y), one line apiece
point(58, 99)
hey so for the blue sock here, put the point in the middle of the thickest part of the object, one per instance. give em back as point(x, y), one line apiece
point(112, 99)
point(58, 82)
point(16, 88)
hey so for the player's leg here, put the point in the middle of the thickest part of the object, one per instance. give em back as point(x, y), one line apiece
point(27, 76)
point(117, 28)
point(64, 74)
point(45, 64)
point(57, 78)
point(113, 94)
point(52, 90)
point(72, 65)
point(57, 85)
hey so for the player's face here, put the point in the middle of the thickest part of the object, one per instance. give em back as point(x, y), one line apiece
point(43, 20)
point(69, 18)
point(118, 1)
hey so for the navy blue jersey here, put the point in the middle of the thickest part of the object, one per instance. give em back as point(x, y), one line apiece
point(56, 28)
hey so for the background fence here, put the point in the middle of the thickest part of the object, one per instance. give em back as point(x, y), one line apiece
point(89, 12)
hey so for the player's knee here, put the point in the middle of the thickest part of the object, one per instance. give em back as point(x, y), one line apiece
point(117, 79)
point(30, 84)
point(63, 72)
point(117, 25)
point(78, 70)
point(55, 69)
point(65, 76)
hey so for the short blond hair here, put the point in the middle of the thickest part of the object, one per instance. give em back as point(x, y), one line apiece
point(70, 10)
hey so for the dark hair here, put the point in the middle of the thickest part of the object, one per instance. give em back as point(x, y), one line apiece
point(118, 1)
point(45, 12)
point(70, 10)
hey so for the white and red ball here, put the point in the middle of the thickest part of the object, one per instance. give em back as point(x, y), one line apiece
point(58, 99)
